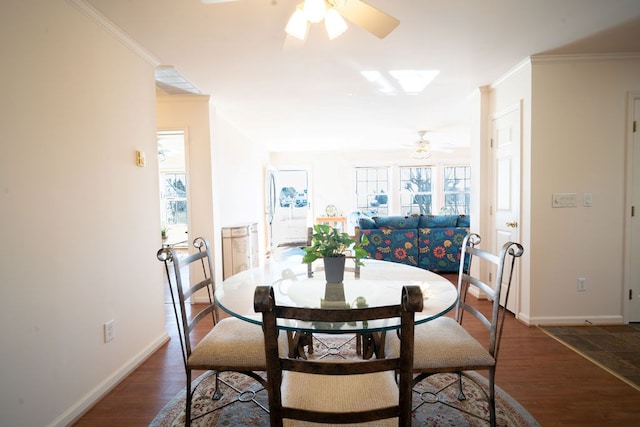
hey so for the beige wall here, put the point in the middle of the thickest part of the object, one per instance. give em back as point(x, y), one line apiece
point(80, 223)
point(573, 140)
point(578, 143)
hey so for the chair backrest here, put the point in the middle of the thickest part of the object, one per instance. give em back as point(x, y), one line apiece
point(501, 268)
point(355, 269)
point(184, 282)
point(411, 301)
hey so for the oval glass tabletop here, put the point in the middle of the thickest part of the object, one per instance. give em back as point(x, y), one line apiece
point(380, 283)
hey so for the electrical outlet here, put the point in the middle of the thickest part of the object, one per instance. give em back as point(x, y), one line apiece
point(582, 284)
point(109, 331)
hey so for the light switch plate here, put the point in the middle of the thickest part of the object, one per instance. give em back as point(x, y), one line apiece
point(564, 200)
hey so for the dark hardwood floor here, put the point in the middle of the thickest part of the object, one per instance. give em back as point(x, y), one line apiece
point(556, 385)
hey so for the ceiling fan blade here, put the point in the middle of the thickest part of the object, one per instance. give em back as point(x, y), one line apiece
point(368, 17)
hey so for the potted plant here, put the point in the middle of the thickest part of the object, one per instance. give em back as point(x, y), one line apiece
point(332, 245)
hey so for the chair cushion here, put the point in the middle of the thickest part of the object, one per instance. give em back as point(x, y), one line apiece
point(443, 343)
point(232, 344)
point(336, 393)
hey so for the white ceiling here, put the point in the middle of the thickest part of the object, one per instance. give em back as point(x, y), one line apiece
point(313, 96)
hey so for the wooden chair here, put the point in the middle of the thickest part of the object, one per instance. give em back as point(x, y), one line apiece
point(339, 391)
point(444, 345)
point(231, 345)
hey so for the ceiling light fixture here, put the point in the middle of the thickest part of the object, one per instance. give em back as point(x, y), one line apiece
point(314, 11)
point(297, 25)
point(334, 23)
point(421, 153)
point(423, 149)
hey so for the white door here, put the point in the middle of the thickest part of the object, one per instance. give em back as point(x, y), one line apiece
point(634, 287)
point(506, 143)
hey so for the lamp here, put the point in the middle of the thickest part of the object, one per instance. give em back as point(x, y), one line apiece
point(315, 11)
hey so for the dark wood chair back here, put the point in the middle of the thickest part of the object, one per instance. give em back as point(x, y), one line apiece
point(285, 376)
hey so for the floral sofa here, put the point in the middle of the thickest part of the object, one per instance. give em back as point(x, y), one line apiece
point(431, 242)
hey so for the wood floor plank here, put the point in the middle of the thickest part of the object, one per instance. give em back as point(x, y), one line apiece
point(556, 385)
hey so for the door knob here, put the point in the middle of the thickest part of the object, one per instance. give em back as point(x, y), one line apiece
point(512, 224)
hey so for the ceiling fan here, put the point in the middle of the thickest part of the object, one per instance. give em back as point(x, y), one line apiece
point(424, 148)
point(373, 20)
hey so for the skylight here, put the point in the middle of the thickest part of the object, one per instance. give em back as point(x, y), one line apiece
point(411, 82)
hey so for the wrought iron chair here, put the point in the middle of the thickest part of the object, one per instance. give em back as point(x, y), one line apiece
point(231, 345)
point(339, 391)
point(444, 345)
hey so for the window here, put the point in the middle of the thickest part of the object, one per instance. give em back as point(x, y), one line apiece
point(372, 190)
point(174, 197)
point(415, 190)
point(457, 189)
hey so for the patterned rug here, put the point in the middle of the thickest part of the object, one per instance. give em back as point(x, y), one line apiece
point(435, 402)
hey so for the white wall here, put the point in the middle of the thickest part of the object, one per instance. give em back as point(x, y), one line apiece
point(579, 113)
point(80, 223)
point(332, 178)
point(239, 170)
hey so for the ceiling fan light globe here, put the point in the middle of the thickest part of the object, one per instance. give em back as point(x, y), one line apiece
point(314, 10)
point(334, 24)
point(297, 25)
point(420, 155)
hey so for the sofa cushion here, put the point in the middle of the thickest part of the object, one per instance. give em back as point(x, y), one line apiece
point(392, 245)
point(464, 221)
point(366, 223)
point(397, 222)
point(437, 221)
point(440, 248)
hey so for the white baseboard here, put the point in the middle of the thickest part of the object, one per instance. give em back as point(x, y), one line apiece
point(575, 320)
point(83, 405)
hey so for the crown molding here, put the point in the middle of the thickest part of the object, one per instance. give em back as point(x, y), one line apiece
point(111, 28)
point(515, 70)
point(613, 56)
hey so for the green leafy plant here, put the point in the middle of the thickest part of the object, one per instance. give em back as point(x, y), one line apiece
point(327, 242)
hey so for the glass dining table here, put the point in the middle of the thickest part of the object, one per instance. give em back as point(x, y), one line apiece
point(379, 283)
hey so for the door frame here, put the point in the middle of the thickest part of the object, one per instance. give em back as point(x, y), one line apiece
point(630, 314)
point(514, 303)
point(187, 175)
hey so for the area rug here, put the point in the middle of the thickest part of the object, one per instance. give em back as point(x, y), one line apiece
point(435, 402)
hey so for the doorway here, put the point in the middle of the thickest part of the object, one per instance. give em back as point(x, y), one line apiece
point(173, 188)
point(288, 207)
point(506, 144)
